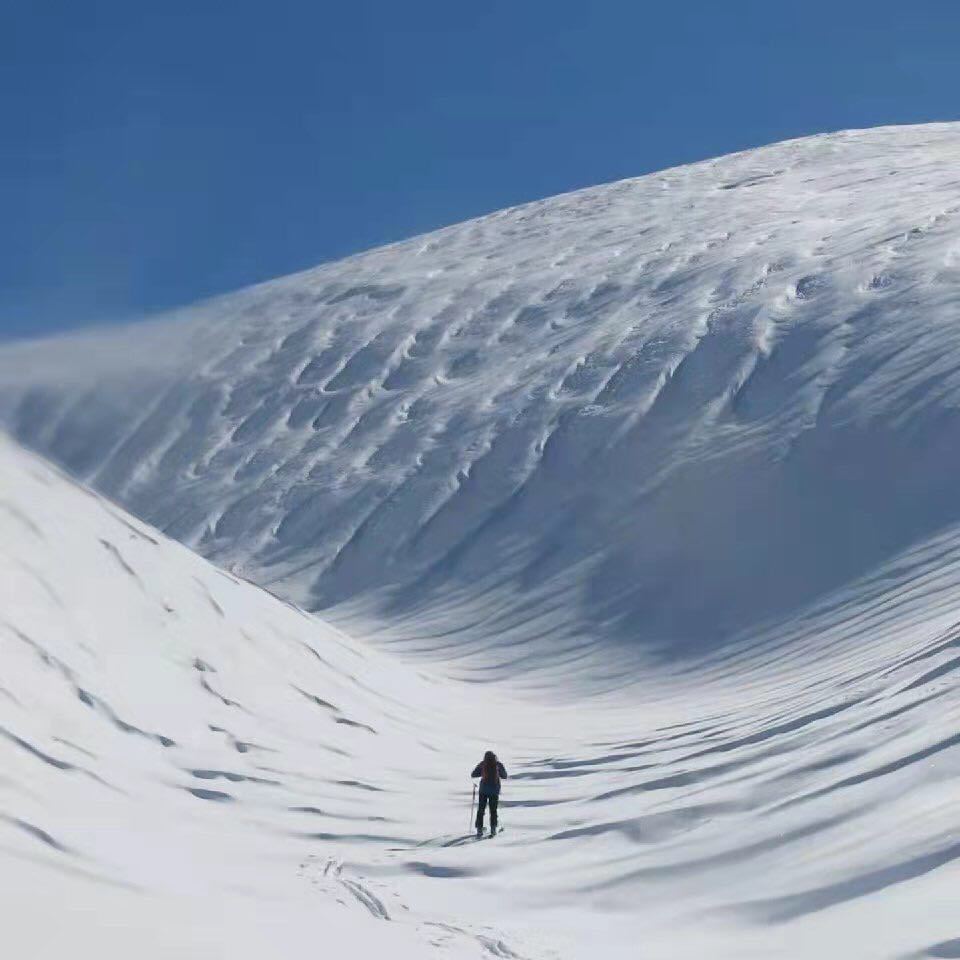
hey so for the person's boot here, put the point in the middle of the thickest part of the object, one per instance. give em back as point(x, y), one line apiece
point(479, 831)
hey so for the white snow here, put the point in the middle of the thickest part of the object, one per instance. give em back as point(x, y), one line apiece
point(187, 761)
point(669, 465)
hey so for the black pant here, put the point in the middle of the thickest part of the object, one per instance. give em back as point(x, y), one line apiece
point(484, 800)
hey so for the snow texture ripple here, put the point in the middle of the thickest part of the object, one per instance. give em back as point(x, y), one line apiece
point(668, 464)
point(659, 413)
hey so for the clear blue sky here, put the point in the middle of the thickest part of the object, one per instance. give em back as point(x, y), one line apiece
point(156, 152)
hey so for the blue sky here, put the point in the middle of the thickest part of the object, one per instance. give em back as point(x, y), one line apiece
point(155, 153)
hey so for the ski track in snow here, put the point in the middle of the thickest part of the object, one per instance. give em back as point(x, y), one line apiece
point(774, 801)
point(649, 486)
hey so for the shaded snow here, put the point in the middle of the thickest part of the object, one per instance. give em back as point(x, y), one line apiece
point(192, 767)
point(660, 412)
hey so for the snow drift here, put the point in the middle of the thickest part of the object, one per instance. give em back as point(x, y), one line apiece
point(669, 463)
point(186, 759)
point(193, 768)
point(662, 413)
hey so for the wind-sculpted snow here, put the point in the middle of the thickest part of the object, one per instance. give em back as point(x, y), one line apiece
point(668, 414)
point(672, 461)
point(192, 768)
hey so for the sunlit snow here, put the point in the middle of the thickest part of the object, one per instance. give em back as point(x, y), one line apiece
point(651, 488)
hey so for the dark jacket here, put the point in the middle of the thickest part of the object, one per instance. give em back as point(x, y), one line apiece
point(490, 788)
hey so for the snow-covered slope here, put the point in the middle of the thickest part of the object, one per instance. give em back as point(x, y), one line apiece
point(670, 460)
point(187, 760)
point(669, 414)
point(192, 768)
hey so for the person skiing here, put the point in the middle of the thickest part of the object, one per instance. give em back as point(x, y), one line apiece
point(490, 771)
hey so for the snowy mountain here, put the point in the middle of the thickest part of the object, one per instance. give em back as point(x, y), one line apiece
point(666, 463)
point(192, 768)
point(182, 752)
point(664, 413)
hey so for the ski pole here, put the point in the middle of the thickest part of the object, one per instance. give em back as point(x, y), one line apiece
point(472, 801)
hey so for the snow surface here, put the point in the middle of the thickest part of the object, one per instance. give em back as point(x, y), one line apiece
point(661, 413)
point(193, 768)
point(668, 464)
